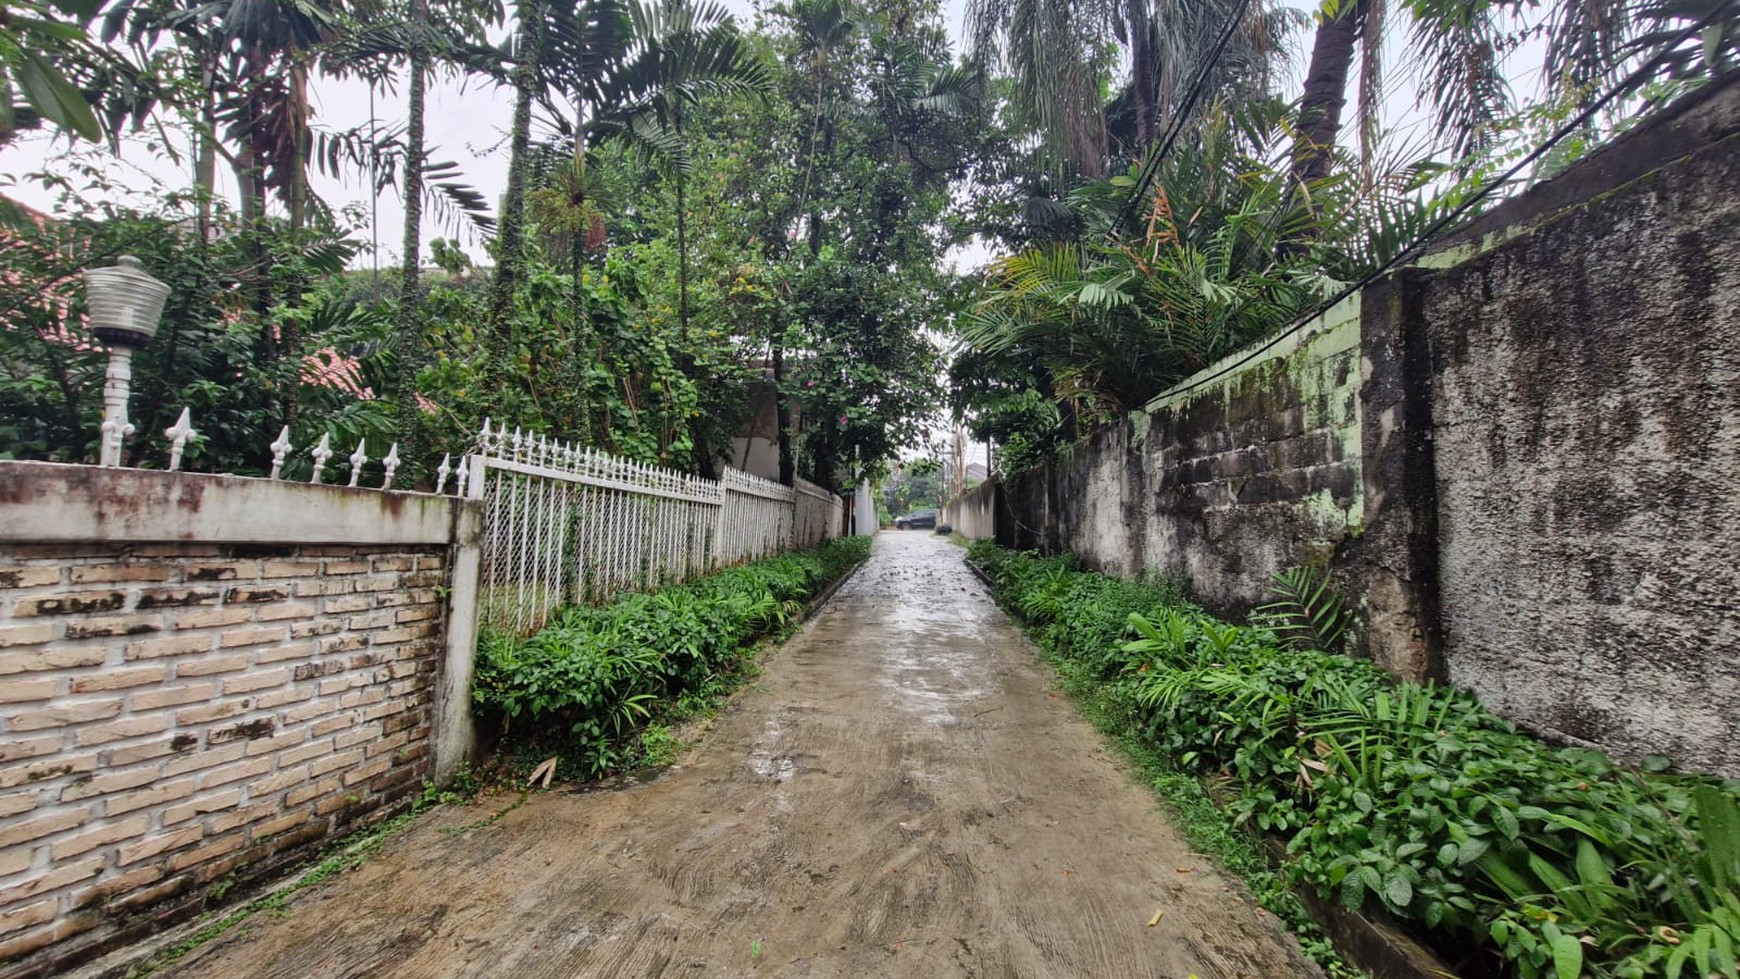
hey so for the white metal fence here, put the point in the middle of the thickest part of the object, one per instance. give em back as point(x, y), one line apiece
point(565, 524)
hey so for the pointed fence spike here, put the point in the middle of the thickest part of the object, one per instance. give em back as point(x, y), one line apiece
point(321, 453)
point(179, 433)
point(392, 464)
point(442, 472)
point(115, 430)
point(280, 449)
point(357, 460)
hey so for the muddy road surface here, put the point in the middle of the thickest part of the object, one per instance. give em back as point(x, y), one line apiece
point(902, 793)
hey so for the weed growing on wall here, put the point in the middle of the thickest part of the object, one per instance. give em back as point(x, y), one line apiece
point(584, 687)
point(1407, 798)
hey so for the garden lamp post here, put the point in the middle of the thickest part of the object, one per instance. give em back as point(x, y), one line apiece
point(124, 304)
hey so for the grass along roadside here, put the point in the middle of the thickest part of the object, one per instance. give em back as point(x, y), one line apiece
point(346, 854)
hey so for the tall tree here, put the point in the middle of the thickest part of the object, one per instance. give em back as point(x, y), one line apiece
point(1326, 81)
point(1056, 53)
point(681, 53)
point(409, 334)
point(528, 54)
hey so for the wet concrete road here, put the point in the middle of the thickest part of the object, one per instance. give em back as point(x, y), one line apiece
point(902, 793)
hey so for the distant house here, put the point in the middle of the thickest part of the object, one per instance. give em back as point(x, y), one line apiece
point(755, 450)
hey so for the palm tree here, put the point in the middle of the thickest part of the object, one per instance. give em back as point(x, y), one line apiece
point(625, 71)
point(32, 38)
point(1052, 50)
point(528, 54)
point(424, 39)
point(409, 327)
point(1457, 48)
point(1326, 87)
point(682, 52)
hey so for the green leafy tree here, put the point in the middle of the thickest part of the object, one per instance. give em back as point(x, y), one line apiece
point(34, 37)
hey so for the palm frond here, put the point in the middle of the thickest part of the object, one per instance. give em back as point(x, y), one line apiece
point(1307, 612)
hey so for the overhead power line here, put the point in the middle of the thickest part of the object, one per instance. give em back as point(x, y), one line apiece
point(1151, 165)
point(1437, 227)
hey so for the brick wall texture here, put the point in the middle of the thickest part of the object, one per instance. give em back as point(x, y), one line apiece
point(176, 717)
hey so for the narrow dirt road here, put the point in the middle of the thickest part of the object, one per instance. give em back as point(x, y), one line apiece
point(902, 793)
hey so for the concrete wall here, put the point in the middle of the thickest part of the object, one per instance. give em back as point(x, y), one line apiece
point(1247, 469)
point(1585, 403)
point(1520, 454)
point(200, 678)
point(973, 513)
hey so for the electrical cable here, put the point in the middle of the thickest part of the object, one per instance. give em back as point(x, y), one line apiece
point(1151, 166)
point(1425, 237)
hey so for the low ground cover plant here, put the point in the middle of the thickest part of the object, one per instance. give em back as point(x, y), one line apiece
point(586, 685)
point(1410, 798)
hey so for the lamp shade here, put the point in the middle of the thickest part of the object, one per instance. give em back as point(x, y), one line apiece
point(124, 302)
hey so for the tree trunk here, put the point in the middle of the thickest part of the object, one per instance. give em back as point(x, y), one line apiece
point(1325, 92)
point(410, 326)
point(304, 144)
point(827, 449)
point(682, 259)
point(510, 239)
point(1144, 75)
point(205, 153)
point(248, 188)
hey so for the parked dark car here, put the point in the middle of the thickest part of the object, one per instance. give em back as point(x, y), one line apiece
point(916, 519)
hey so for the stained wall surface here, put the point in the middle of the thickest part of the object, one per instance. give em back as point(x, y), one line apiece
point(1520, 455)
point(1585, 400)
point(1245, 470)
point(181, 716)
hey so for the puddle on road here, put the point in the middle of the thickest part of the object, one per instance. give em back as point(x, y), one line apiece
point(776, 768)
point(779, 769)
point(935, 686)
point(922, 606)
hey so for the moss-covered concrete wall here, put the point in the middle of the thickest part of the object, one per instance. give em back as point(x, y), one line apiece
point(1522, 456)
point(1248, 468)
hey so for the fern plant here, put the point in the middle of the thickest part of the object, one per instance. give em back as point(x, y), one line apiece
point(1307, 612)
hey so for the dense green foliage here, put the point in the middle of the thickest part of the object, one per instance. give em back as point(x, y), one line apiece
point(1119, 279)
point(913, 486)
point(704, 219)
point(583, 685)
point(322, 358)
point(243, 372)
point(1409, 798)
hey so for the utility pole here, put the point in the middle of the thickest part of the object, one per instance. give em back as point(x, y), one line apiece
point(960, 459)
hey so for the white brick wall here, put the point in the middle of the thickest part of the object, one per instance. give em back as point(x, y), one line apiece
point(173, 715)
